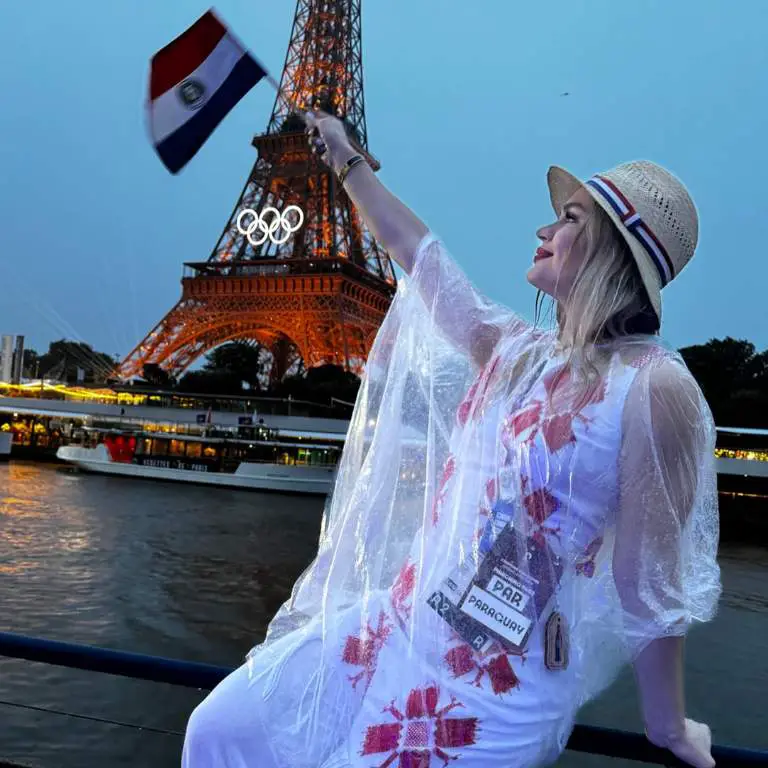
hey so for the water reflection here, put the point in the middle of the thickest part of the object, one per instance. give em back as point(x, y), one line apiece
point(37, 531)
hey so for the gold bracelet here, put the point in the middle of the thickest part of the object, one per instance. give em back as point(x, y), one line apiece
point(348, 166)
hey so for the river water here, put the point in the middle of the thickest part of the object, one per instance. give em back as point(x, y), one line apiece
point(195, 573)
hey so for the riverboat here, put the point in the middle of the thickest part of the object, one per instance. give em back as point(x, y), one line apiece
point(742, 460)
point(255, 458)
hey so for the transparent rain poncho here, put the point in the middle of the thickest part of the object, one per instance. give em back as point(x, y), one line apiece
point(501, 539)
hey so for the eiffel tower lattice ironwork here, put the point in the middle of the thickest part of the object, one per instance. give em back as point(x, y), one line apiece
point(323, 293)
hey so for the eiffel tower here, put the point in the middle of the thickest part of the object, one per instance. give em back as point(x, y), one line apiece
point(323, 293)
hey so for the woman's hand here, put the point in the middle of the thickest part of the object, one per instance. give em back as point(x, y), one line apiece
point(694, 745)
point(390, 222)
point(330, 130)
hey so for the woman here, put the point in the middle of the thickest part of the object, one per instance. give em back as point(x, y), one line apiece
point(517, 513)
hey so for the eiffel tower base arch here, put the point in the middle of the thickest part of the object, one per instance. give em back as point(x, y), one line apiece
point(329, 318)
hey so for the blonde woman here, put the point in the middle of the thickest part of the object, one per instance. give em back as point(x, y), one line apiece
point(518, 513)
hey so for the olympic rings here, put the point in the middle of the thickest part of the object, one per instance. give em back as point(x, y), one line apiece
point(279, 220)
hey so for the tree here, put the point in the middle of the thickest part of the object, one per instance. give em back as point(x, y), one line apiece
point(75, 362)
point(320, 384)
point(286, 360)
point(733, 378)
point(241, 360)
point(158, 377)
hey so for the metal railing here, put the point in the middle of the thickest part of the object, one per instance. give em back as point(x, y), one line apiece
point(585, 738)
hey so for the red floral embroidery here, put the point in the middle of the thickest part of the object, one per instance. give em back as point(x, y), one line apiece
point(462, 660)
point(473, 400)
point(558, 431)
point(502, 676)
point(524, 420)
point(558, 386)
point(597, 392)
point(448, 469)
point(364, 651)
point(540, 504)
point(585, 564)
point(403, 588)
point(462, 414)
point(556, 428)
point(420, 732)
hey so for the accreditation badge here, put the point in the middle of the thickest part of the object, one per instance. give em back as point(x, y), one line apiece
point(503, 600)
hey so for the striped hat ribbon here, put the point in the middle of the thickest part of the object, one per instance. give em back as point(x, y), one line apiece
point(630, 218)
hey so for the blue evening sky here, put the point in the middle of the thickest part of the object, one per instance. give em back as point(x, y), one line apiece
point(464, 111)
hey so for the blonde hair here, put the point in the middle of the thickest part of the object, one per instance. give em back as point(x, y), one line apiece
point(608, 299)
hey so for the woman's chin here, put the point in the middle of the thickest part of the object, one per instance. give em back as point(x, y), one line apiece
point(534, 277)
point(540, 279)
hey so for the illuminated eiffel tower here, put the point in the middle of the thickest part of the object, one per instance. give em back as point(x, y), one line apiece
point(322, 294)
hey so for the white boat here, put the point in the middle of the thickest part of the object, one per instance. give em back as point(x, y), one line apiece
point(742, 460)
point(299, 462)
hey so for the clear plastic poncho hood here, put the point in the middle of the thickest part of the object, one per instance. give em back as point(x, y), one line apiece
point(501, 539)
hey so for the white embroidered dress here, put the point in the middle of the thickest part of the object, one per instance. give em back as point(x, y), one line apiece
point(607, 492)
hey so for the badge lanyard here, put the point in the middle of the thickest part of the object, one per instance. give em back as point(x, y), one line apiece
point(501, 602)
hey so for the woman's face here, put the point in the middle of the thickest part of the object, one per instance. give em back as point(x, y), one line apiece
point(558, 260)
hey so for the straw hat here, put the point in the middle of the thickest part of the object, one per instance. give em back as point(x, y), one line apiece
point(652, 210)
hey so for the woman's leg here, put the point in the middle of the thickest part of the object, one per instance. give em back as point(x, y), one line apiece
point(225, 729)
point(290, 706)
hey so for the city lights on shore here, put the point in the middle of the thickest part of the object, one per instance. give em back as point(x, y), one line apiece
point(85, 394)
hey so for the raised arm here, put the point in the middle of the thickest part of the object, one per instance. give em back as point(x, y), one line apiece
point(392, 223)
point(466, 318)
point(666, 542)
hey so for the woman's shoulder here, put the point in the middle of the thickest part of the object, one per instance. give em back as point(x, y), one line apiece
point(662, 382)
point(654, 369)
point(651, 354)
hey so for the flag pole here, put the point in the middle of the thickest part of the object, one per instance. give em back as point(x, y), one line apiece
point(319, 145)
point(271, 80)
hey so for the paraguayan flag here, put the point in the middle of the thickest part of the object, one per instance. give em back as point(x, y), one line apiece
point(194, 82)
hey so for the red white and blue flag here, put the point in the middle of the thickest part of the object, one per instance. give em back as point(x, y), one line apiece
point(194, 82)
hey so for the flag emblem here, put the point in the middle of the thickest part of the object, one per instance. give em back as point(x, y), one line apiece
point(192, 93)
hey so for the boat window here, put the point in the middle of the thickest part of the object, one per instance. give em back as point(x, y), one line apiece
point(210, 452)
point(260, 453)
point(177, 448)
point(159, 447)
point(194, 450)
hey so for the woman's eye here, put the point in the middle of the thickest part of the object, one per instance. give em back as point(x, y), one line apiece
point(570, 217)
